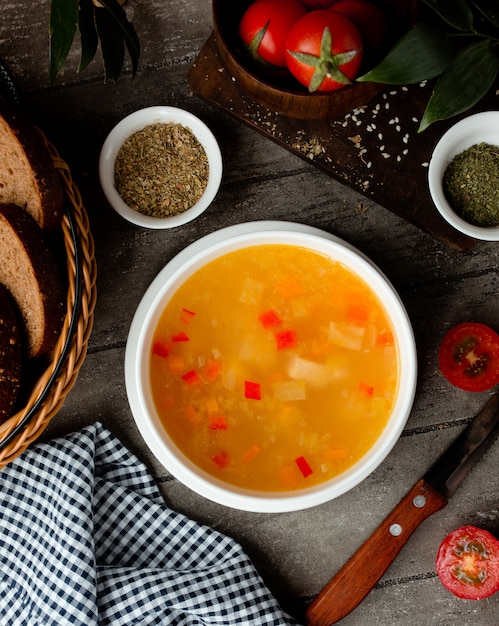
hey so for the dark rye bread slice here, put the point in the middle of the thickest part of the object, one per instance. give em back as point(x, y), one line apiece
point(29, 271)
point(28, 177)
point(10, 355)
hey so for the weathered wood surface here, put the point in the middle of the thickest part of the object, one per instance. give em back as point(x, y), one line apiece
point(297, 553)
point(375, 148)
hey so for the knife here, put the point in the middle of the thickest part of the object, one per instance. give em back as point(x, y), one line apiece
point(430, 494)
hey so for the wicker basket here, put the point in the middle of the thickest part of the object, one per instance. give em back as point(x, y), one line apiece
point(50, 390)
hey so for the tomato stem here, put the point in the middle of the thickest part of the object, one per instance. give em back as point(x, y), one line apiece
point(327, 65)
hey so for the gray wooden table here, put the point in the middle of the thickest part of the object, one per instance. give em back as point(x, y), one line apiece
point(296, 553)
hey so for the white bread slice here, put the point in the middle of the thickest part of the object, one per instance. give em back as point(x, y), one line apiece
point(10, 355)
point(28, 177)
point(29, 271)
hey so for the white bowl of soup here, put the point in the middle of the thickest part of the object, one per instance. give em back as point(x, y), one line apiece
point(270, 367)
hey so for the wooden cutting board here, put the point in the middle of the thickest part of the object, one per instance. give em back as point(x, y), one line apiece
point(375, 149)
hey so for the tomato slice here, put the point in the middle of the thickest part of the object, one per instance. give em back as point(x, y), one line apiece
point(468, 563)
point(469, 357)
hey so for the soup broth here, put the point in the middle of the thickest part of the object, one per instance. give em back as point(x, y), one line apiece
point(274, 368)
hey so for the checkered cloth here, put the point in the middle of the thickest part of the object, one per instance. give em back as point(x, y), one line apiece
point(86, 538)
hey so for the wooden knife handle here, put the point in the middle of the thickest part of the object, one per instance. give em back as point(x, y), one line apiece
point(359, 575)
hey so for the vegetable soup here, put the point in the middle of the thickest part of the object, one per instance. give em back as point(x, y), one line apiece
point(274, 368)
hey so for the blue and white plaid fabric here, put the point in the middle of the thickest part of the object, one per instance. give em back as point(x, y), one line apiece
point(86, 538)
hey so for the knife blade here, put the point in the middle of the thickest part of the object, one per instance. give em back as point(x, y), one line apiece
point(430, 494)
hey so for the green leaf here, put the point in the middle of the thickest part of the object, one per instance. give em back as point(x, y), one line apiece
point(464, 83)
point(422, 53)
point(111, 42)
point(129, 35)
point(88, 34)
point(62, 29)
point(490, 9)
point(456, 13)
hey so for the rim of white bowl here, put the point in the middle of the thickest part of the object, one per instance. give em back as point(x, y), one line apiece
point(462, 135)
point(137, 121)
point(140, 339)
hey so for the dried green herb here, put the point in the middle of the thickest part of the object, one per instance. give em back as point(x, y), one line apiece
point(161, 170)
point(471, 184)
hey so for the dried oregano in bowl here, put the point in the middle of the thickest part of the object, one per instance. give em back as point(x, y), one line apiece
point(161, 170)
point(160, 167)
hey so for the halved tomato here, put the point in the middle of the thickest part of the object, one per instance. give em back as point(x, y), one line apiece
point(468, 563)
point(469, 357)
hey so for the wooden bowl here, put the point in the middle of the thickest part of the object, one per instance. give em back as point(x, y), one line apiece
point(279, 91)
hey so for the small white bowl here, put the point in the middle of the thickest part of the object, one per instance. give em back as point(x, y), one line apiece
point(482, 127)
point(138, 350)
point(137, 121)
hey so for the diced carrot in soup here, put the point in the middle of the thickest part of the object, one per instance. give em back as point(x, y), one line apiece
point(303, 378)
point(289, 287)
point(192, 415)
point(212, 405)
point(212, 369)
point(251, 453)
point(176, 364)
point(358, 313)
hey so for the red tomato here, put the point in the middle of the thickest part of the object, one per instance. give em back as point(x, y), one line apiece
point(324, 50)
point(312, 5)
point(469, 357)
point(368, 19)
point(264, 28)
point(468, 563)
